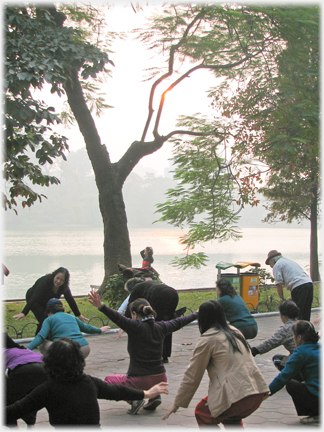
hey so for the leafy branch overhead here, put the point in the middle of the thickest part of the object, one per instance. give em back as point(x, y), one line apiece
point(205, 197)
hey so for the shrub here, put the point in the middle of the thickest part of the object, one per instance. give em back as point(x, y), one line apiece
point(115, 293)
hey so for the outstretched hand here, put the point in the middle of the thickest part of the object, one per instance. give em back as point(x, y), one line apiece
point(20, 316)
point(120, 332)
point(82, 318)
point(156, 390)
point(104, 329)
point(94, 299)
point(172, 410)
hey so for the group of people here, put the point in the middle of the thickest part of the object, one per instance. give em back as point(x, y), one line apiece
point(236, 385)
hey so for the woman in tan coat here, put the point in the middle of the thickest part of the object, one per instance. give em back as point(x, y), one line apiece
point(236, 386)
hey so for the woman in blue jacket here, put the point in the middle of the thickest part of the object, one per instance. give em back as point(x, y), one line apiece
point(306, 361)
point(59, 324)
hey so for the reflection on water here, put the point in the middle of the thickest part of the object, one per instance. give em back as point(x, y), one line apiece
point(29, 255)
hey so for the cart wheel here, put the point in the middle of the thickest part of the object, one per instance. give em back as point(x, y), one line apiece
point(274, 306)
point(11, 331)
point(262, 307)
point(29, 333)
point(94, 319)
point(251, 308)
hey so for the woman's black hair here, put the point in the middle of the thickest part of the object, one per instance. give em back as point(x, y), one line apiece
point(149, 250)
point(306, 330)
point(57, 307)
point(225, 287)
point(212, 315)
point(10, 343)
point(289, 309)
point(64, 361)
point(66, 276)
point(142, 307)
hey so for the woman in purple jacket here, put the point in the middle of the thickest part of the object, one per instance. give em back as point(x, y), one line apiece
point(23, 372)
point(145, 346)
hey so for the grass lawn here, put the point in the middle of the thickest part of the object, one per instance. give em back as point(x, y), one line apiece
point(192, 300)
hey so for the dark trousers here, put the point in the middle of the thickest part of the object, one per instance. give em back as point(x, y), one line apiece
point(21, 381)
point(305, 402)
point(249, 331)
point(303, 297)
point(165, 308)
point(39, 311)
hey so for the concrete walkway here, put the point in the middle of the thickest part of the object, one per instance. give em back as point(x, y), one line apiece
point(109, 356)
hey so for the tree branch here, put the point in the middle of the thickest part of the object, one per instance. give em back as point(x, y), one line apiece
point(185, 75)
point(173, 50)
point(97, 152)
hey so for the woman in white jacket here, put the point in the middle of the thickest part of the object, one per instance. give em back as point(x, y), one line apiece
point(236, 386)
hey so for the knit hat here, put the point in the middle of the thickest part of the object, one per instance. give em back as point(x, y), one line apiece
point(272, 254)
point(53, 301)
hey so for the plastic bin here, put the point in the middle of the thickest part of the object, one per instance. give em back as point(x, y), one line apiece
point(246, 284)
point(249, 289)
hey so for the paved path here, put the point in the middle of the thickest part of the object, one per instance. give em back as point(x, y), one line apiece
point(109, 356)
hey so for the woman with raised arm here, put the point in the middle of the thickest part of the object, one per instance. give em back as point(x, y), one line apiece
point(145, 346)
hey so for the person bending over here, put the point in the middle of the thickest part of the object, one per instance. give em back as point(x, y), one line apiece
point(52, 285)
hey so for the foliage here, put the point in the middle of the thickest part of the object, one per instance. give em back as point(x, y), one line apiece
point(265, 277)
point(275, 112)
point(195, 260)
point(38, 53)
point(277, 124)
point(267, 123)
point(204, 197)
point(115, 293)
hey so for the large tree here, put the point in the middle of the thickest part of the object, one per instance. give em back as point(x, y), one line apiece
point(215, 37)
point(279, 124)
point(269, 118)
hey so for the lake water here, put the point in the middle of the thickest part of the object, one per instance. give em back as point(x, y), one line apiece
point(29, 255)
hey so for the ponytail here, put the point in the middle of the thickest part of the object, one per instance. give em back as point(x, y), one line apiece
point(143, 308)
point(306, 330)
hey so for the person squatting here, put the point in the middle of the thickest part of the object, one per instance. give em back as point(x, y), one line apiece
point(71, 396)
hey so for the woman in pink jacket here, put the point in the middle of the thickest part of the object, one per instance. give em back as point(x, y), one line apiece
point(236, 386)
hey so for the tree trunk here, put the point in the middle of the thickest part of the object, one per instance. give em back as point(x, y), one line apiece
point(314, 267)
point(116, 236)
point(110, 178)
